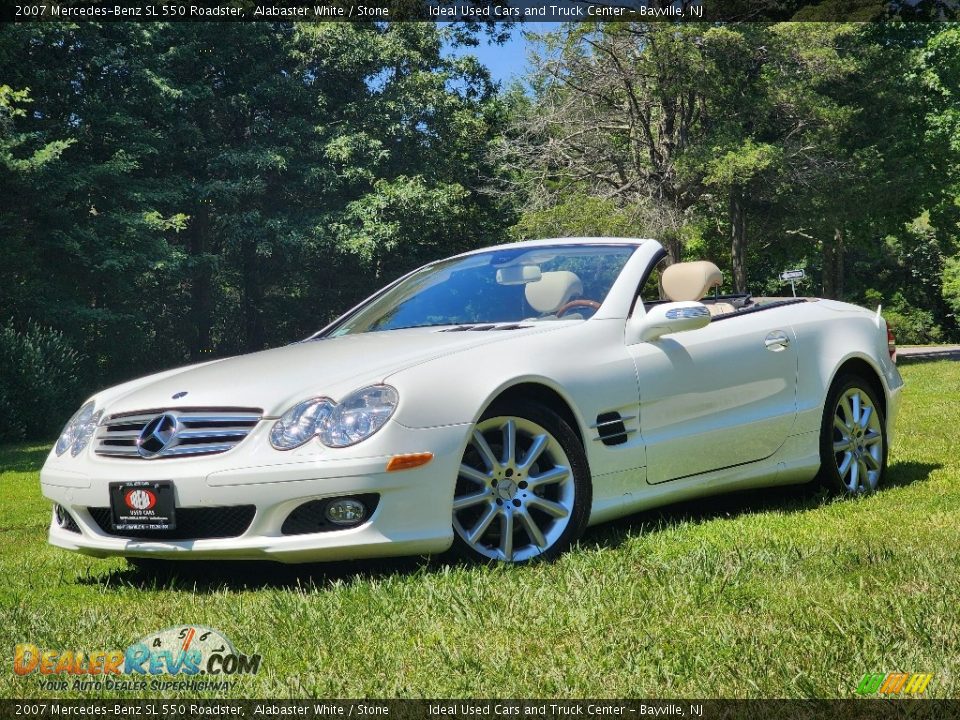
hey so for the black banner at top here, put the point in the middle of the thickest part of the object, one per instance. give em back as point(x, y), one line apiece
point(483, 11)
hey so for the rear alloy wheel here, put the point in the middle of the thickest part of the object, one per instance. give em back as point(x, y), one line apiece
point(523, 489)
point(853, 441)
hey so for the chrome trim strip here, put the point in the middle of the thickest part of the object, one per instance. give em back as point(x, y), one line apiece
point(119, 451)
point(196, 449)
point(214, 433)
point(103, 433)
point(186, 416)
point(628, 431)
point(614, 421)
point(127, 420)
point(238, 418)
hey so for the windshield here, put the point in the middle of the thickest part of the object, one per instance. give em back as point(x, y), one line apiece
point(527, 284)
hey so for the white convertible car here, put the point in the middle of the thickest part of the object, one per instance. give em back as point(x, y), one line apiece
point(498, 402)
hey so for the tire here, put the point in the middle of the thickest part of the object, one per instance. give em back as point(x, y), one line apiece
point(853, 438)
point(515, 507)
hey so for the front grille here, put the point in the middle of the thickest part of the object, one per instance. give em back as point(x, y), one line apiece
point(192, 523)
point(188, 431)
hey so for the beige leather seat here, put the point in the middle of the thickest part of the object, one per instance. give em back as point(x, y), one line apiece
point(692, 281)
point(552, 291)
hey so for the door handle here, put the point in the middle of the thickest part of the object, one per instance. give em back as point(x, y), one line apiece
point(776, 341)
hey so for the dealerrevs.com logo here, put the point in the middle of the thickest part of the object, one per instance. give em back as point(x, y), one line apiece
point(196, 657)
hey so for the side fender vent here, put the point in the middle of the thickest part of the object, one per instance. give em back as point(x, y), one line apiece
point(612, 428)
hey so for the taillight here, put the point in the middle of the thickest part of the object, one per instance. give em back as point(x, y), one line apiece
point(891, 344)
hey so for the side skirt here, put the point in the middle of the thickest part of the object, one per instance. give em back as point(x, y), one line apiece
point(796, 462)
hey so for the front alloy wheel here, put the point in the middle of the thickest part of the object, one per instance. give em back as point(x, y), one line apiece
point(522, 490)
point(853, 448)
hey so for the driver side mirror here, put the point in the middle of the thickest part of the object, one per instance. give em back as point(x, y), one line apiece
point(666, 319)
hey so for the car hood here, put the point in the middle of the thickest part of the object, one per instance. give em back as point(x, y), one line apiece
point(273, 380)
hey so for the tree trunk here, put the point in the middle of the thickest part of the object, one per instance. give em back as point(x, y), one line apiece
point(738, 239)
point(201, 305)
point(833, 266)
point(674, 248)
point(252, 297)
point(838, 265)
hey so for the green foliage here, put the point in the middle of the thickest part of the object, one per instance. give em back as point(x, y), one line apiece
point(175, 192)
point(827, 146)
point(379, 226)
point(951, 285)
point(38, 381)
point(17, 156)
point(741, 164)
point(911, 325)
point(579, 214)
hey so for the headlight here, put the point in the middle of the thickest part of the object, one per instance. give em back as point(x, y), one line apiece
point(359, 415)
point(300, 423)
point(356, 418)
point(78, 431)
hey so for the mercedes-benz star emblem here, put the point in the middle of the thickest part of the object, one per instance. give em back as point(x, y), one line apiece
point(158, 435)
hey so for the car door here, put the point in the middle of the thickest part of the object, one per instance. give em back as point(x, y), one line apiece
point(716, 397)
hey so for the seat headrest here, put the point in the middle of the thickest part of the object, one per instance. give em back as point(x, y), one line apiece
point(553, 290)
point(690, 280)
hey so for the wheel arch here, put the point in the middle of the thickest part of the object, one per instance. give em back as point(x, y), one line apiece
point(861, 366)
point(542, 394)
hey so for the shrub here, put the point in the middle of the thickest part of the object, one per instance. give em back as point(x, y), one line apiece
point(910, 324)
point(914, 327)
point(38, 382)
point(950, 281)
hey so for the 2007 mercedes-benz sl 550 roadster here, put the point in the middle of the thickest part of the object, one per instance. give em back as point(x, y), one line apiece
point(495, 403)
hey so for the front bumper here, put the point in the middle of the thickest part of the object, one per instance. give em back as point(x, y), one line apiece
point(413, 515)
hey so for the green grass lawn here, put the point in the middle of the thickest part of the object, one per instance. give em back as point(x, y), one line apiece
point(782, 593)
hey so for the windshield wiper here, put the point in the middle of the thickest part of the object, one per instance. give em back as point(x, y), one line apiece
point(411, 327)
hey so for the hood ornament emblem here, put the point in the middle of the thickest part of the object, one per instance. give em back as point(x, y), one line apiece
point(177, 396)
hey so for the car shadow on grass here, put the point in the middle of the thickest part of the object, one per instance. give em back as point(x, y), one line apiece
point(208, 577)
point(902, 474)
point(219, 576)
point(782, 499)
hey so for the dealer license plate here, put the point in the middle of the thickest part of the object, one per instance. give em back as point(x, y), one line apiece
point(142, 505)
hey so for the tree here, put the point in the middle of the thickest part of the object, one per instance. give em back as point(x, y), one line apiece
point(653, 115)
point(798, 138)
point(190, 190)
point(616, 109)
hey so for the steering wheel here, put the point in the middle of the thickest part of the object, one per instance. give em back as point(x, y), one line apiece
point(582, 302)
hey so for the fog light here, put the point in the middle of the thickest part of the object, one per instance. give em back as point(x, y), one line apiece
point(346, 512)
point(60, 515)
